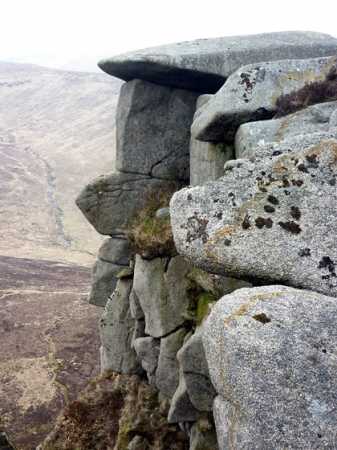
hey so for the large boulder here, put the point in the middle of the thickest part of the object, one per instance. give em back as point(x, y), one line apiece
point(274, 219)
point(161, 286)
point(203, 65)
point(313, 119)
point(110, 201)
point(153, 130)
point(272, 354)
point(251, 94)
point(116, 331)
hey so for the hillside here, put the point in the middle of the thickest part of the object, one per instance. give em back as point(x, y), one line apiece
point(56, 134)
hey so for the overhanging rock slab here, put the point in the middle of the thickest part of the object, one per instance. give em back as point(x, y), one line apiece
point(203, 65)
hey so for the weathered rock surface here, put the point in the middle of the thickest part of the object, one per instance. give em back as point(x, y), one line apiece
point(147, 349)
point(153, 130)
point(333, 119)
point(193, 364)
point(115, 251)
point(292, 144)
point(116, 330)
point(251, 92)
point(135, 308)
point(167, 374)
point(138, 331)
point(221, 415)
point(203, 65)
point(216, 285)
point(104, 280)
point(313, 119)
point(207, 160)
point(161, 287)
point(272, 220)
point(110, 201)
point(281, 343)
point(181, 409)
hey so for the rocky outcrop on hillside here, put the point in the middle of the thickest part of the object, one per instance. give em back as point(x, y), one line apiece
point(213, 320)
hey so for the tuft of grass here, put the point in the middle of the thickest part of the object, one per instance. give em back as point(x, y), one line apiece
point(310, 94)
point(151, 236)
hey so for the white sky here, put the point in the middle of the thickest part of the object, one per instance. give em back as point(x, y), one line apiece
point(80, 32)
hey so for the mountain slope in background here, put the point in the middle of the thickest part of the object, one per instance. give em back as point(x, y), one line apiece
point(56, 134)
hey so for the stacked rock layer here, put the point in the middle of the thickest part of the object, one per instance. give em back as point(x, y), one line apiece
point(255, 205)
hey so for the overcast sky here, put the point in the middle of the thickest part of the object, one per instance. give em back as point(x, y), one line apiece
point(77, 33)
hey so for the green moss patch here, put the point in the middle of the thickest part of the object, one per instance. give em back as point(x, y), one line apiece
point(204, 301)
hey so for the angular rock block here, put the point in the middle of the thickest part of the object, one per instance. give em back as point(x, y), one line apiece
point(203, 65)
point(115, 251)
point(153, 130)
point(161, 287)
point(113, 257)
point(110, 201)
point(181, 409)
point(315, 118)
point(271, 353)
point(193, 364)
point(222, 413)
point(135, 308)
point(207, 160)
point(116, 330)
point(103, 283)
point(147, 349)
point(274, 219)
point(167, 374)
point(251, 92)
